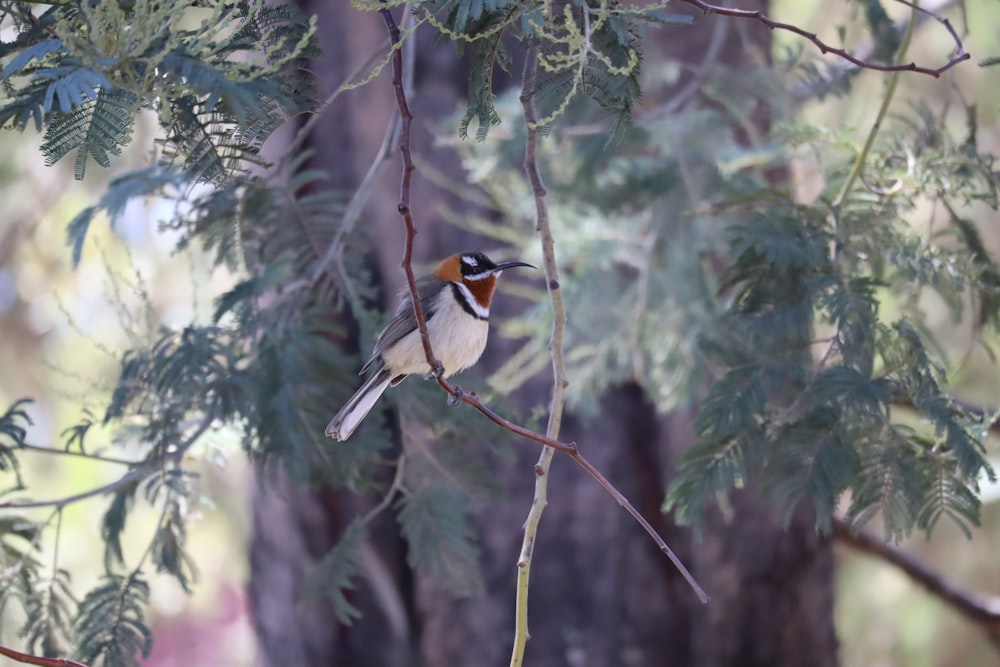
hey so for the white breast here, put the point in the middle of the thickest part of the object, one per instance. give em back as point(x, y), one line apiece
point(458, 340)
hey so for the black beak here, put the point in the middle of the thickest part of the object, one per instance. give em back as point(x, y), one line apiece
point(509, 265)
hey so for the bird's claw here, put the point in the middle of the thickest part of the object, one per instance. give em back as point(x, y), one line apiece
point(435, 372)
point(456, 398)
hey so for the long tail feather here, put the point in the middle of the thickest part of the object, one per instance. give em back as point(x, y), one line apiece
point(349, 418)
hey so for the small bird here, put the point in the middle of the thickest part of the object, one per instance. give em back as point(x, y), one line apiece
point(456, 303)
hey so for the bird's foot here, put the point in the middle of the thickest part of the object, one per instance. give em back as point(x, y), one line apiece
point(435, 372)
point(456, 398)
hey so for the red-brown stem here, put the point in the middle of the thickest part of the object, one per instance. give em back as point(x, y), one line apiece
point(569, 449)
point(405, 186)
point(960, 53)
point(28, 659)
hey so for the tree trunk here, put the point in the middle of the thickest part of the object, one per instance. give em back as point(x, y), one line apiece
point(601, 594)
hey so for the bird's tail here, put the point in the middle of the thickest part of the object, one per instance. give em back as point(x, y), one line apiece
point(349, 418)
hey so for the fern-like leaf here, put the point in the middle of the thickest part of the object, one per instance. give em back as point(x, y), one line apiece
point(13, 431)
point(334, 576)
point(49, 617)
point(141, 183)
point(168, 550)
point(113, 524)
point(948, 496)
point(436, 527)
point(890, 480)
point(95, 129)
point(812, 459)
point(110, 628)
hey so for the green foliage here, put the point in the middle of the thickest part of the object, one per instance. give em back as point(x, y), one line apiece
point(435, 523)
point(335, 574)
point(817, 415)
point(109, 628)
point(883, 31)
point(168, 552)
point(715, 288)
point(50, 613)
point(589, 48)
point(84, 71)
point(812, 387)
point(113, 524)
point(19, 566)
point(133, 185)
point(14, 425)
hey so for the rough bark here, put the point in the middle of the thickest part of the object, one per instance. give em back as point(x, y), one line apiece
point(601, 592)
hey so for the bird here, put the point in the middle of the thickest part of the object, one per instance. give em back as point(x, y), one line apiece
point(456, 300)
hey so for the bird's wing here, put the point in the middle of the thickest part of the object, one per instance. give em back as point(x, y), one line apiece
point(402, 321)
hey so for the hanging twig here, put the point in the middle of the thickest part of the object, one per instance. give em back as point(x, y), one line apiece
point(457, 394)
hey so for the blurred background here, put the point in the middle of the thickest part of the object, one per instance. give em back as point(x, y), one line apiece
point(62, 332)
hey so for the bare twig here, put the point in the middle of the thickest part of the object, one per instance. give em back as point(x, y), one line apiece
point(131, 476)
point(69, 452)
point(837, 73)
point(390, 494)
point(960, 53)
point(470, 398)
point(28, 659)
point(980, 609)
point(559, 382)
point(367, 186)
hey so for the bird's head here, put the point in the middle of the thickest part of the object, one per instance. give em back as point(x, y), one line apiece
point(476, 274)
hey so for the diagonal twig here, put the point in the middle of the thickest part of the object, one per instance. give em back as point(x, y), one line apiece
point(28, 659)
point(470, 398)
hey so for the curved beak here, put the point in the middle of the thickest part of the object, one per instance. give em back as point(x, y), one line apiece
point(509, 265)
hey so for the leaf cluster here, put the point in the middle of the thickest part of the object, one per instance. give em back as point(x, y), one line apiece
point(589, 49)
point(816, 387)
point(815, 391)
point(219, 76)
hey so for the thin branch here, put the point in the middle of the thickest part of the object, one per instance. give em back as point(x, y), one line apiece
point(69, 452)
point(559, 382)
point(859, 162)
point(838, 73)
point(455, 392)
point(28, 659)
point(367, 186)
point(395, 486)
point(59, 503)
point(960, 53)
point(984, 610)
point(136, 473)
point(406, 185)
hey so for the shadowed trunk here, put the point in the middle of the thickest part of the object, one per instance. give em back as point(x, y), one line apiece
point(602, 594)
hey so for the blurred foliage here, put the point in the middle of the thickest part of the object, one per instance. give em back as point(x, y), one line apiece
point(773, 311)
point(807, 374)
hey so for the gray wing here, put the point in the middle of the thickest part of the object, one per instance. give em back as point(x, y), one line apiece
point(402, 321)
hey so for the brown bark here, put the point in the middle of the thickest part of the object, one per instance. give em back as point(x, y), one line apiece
point(601, 594)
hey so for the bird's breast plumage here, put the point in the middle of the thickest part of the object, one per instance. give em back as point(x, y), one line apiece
point(458, 339)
